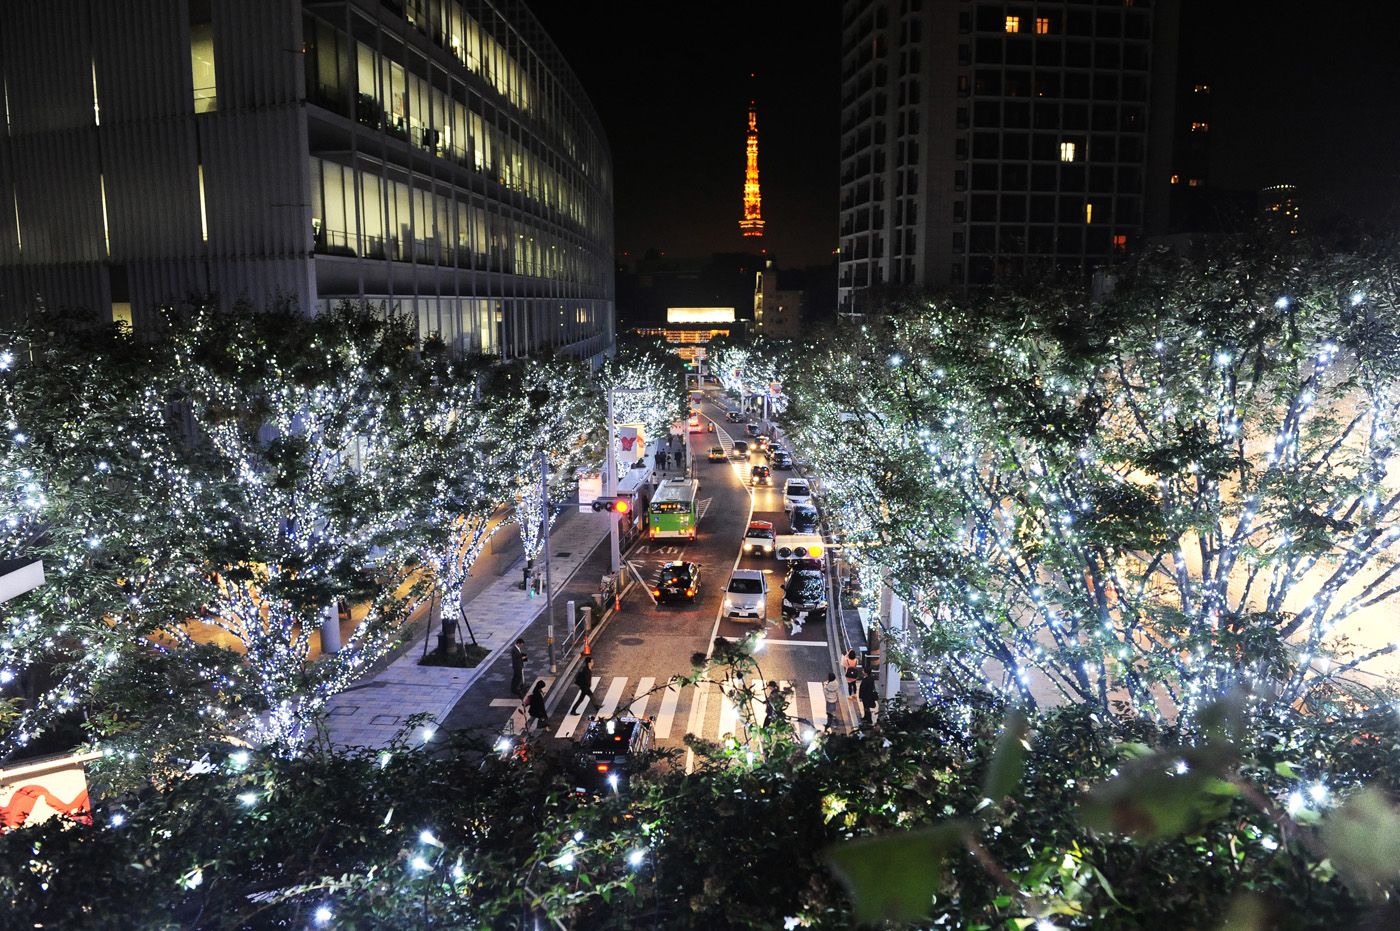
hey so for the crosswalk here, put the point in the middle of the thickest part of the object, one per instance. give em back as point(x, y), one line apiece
point(711, 710)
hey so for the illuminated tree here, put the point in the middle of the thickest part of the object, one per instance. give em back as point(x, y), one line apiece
point(656, 377)
point(1138, 502)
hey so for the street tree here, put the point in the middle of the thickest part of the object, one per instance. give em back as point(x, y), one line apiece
point(1137, 502)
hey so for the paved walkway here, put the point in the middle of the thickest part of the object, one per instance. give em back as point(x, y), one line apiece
point(373, 710)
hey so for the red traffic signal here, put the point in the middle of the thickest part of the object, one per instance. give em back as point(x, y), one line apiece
point(618, 505)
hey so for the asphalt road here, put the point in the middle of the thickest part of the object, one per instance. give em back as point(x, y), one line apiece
point(646, 644)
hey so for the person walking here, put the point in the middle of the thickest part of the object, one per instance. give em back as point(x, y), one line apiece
point(851, 666)
point(518, 656)
point(584, 680)
point(831, 691)
point(869, 698)
point(535, 706)
point(774, 704)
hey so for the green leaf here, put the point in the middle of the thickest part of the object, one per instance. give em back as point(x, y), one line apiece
point(1286, 770)
point(1150, 800)
point(1009, 760)
point(893, 877)
point(1363, 841)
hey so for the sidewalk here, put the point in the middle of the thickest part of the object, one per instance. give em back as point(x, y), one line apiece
point(373, 710)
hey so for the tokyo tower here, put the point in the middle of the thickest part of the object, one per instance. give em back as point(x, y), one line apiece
point(752, 222)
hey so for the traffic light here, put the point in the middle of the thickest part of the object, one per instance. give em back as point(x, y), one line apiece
point(618, 505)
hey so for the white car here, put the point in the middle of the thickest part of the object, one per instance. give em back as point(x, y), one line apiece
point(747, 596)
point(796, 491)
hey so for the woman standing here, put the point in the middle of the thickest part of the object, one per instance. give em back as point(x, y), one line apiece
point(851, 666)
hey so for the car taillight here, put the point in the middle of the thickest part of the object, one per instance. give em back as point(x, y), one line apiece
point(689, 592)
point(602, 767)
point(656, 593)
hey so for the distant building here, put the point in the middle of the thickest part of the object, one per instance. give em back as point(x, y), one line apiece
point(777, 311)
point(982, 141)
point(690, 329)
point(437, 157)
point(1278, 207)
point(1190, 168)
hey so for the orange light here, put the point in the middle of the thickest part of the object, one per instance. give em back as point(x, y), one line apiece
point(602, 767)
point(690, 593)
point(656, 592)
point(814, 551)
point(623, 507)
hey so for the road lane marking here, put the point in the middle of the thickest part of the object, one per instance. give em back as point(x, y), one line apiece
point(504, 702)
point(638, 708)
point(818, 700)
point(793, 643)
point(667, 714)
point(728, 715)
point(570, 722)
point(611, 699)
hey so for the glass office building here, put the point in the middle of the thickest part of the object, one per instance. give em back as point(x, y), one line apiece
point(437, 157)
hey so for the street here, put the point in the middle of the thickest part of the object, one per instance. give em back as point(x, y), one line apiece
point(646, 644)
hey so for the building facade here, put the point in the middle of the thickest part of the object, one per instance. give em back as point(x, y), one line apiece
point(777, 311)
point(983, 141)
point(437, 157)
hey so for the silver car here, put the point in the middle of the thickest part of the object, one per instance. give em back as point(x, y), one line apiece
point(747, 596)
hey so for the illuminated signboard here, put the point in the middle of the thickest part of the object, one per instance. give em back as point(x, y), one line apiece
point(34, 792)
point(700, 315)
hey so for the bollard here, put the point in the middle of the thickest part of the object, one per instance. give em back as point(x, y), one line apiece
point(571, 613)
point(587, 618)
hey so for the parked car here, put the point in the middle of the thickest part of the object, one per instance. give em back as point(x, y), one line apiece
point(611, 751)
point(747, 596)
point(751, 429)
point(759, 475)
point(716, 454)
point(804, 590)
point(759, 538)
point(678, 581)
point(796, 491)
point(803, 519)
point(740, 450)
point(779, 459)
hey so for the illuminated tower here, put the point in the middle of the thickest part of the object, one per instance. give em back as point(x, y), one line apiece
point(752, 223)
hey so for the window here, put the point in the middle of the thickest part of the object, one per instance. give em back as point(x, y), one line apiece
point(202, 57)
point(1120, 243)
point(1194, 182)
point(1013, 24)
point(1200, 126)
point(1201, 89)
point(1089, 213)
point(1066, 151)
point(1042, 25)
point(1176, 179)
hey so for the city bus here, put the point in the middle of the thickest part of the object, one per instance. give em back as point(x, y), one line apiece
point(672, 510)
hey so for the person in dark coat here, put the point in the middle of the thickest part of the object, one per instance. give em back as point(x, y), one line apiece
point(869, 697)
point(518, 656)
point(584, 680)
point(535, 705)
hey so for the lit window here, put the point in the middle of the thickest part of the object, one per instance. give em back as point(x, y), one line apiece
point(1013, 24)
point(206, 95)
point(1176, 179)
point(106, 237)
point(203, 213)
point(1201, 89)
point(1200, 126)
point(1042, 25)
point(1088, 213)
point(1120, 243)
point(1194, 182)
point(1066, 151)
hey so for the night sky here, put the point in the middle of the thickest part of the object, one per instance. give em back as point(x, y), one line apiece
point(1305, 92)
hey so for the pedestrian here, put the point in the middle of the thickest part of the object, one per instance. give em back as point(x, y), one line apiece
point(851, 666)
point(869, 698)
point(660, 459)
point(535, 705)
point(518, 656)
point(584, 680)
point(831, 691)
point(774, 704)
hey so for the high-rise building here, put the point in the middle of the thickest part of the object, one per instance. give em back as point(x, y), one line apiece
point(982, 141)
point(751, 224)
point(434, 156)
point(1278, 208)
point(777, 305)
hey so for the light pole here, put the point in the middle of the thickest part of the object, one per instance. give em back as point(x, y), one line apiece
point(548, 581)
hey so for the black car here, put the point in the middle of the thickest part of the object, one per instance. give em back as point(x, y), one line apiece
point(780, 460)
point(804, 591)
point(611, 751)
point(731, 416)
point(759, 475)
point(803, 519)
point(678, 581)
